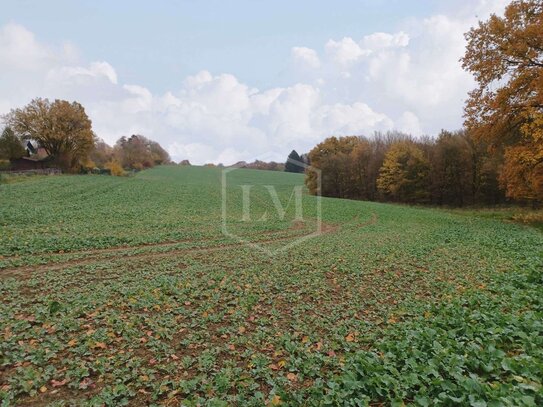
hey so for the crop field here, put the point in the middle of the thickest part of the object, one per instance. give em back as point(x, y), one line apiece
point(125, 291)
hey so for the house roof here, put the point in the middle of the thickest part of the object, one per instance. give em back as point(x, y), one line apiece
point(30, 147)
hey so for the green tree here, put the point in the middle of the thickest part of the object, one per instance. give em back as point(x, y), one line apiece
point(10, 145)
point(292, 165)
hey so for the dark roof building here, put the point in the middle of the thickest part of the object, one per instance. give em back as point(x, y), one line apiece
point(29, 163)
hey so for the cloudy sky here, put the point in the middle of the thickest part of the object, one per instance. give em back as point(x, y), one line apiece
point(222, 81)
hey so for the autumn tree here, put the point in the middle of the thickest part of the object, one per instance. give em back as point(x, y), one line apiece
point(62, 128)
point(332, 158)
point(138, 152)
point(505, 54)
point(10, 145)
point(267, 166)
point(133, 153)
point(158, 154)
point(379, 145)
point(101, 154)
point(452, 169)
point(114, 168)
point(404, 174)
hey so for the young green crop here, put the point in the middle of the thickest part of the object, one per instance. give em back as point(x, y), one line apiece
point(124, 291)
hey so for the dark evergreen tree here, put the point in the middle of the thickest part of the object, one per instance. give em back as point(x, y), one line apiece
point(293, 163)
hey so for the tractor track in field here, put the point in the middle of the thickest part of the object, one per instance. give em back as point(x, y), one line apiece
point(94, 256)
point(372, 221)
point(150, 245)
point(97, 255)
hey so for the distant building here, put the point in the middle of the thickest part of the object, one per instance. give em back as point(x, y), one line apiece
point(29, 163)
point(35, 151)
point(37, 159)
point(30, 149)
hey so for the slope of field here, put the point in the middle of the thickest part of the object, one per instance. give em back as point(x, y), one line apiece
point(123, 291)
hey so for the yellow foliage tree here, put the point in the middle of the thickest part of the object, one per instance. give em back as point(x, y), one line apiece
point(115, 168)
point(404, 174)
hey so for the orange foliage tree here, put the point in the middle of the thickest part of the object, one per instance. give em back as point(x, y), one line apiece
point(505, 54)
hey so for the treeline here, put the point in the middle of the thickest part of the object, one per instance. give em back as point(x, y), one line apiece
point(133, 153)
point(59, 134)
point(498, 156)
point(260, 165)
point(452, 169)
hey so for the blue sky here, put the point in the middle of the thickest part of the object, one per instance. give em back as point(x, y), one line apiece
point(152, 42)
point(228, 80)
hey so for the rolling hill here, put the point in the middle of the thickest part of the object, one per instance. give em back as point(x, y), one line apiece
point(126, 291)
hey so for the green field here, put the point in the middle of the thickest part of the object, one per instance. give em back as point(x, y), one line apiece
point(124, 291)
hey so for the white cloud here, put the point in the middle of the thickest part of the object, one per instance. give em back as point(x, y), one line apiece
point(358, 118)
point(197, 152)
point(409, 80)
point(306, 57)
point(95, 70)
point(409, 123)
point(345, 50)
point(20, 50)
point(139, 99)
point(381, 40)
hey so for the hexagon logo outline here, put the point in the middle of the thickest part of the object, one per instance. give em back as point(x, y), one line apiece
point(255, 245)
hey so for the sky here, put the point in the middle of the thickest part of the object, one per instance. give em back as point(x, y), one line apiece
point(224, 81)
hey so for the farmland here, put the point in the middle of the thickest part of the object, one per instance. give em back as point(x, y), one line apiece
point(125, 291)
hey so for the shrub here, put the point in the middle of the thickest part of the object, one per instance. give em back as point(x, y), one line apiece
point(4, 165)
point(115, 168)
